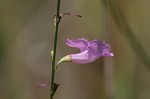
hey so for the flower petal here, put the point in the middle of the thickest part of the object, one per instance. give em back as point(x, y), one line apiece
point(82, 43)
point(80, 58)
point(90, 51)
point(96, 47)
point(100, 48)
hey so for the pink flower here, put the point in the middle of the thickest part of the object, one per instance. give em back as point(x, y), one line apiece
point(89, 50)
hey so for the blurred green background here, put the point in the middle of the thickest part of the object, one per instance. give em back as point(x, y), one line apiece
point(26, 39)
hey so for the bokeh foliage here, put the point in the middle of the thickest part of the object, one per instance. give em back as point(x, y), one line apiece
point(26, 38)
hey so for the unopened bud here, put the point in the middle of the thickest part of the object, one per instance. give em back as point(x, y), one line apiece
point(52, 54)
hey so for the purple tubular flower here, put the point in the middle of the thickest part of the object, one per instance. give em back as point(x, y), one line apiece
point(89, 50)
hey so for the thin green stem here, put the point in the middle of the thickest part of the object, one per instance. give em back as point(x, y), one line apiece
point(56, 24)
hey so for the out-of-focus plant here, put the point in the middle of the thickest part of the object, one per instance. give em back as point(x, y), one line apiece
point(128, 32)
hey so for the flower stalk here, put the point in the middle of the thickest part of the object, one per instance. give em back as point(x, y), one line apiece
point(56, 25)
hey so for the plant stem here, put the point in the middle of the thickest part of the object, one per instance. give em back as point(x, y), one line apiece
point(56, 24)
